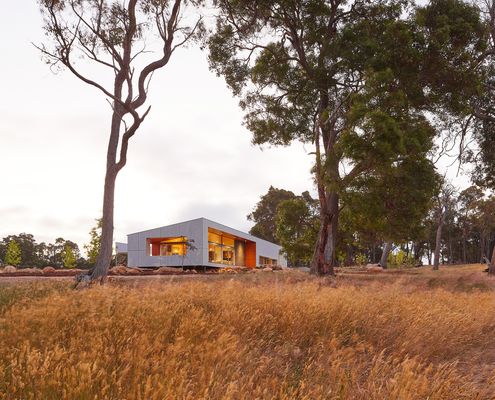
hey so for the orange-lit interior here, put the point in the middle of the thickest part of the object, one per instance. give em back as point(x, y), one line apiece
point(227, 249)
point(172, 246)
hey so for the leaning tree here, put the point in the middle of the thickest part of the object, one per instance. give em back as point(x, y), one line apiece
point(84, 35)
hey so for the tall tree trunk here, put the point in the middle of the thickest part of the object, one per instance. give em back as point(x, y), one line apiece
point(106, 245)
point(438, 242)
point(385, 253)
point(323, 261)
point(482, 247)
point(491, 268)
point(464, 252)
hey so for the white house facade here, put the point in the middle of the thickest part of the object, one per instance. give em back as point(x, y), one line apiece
point(200, 242)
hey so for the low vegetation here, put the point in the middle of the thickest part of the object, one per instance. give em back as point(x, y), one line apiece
point(395, 335)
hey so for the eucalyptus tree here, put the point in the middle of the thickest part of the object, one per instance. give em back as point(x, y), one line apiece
point(444, 205)
point(343, 75)
point(84, 35)
point(461, 40)
point(394, 201)
point(468, 201)
point(297, 225)
point(265, 212)
point(484, 111)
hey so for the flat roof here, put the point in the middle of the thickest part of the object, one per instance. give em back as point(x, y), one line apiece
point(219, 226)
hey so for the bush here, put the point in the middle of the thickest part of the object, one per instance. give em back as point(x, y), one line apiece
point(400, 259)
point(361, 259)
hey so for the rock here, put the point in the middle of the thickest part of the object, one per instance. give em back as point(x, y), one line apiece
point(162, 270)
point(267, 269)
point(118, 270)
point(48, 270)
point(227, 270)
point(132, 271)
point(9, 269)
point(33, 271)
point(374, 268)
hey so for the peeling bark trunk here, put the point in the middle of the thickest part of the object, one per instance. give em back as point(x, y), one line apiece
point(385, 253)
point(323, 261)
point(106, 245)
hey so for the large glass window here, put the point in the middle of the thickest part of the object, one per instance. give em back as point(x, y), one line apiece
point(267, 261)
point(220, 248)
point(215, 253)
point(173, 246)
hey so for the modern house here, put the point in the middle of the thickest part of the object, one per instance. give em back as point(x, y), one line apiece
point(200, 243)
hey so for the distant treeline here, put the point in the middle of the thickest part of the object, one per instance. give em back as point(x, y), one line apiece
point(467, 217)
point(34, 254)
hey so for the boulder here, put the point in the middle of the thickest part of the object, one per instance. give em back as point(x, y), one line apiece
point(227, 270)
point(375, 268)
point(9, 269)
point(267, 269)
point(118, 270)
point(162, 270)
point(33, 271)
point(48, 270)
point(132, 271)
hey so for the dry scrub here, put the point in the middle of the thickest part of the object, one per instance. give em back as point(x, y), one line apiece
point(263, 338)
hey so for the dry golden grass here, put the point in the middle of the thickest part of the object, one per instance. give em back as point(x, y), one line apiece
point(262, 336)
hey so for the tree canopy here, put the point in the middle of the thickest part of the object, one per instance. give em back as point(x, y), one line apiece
point(354, 78)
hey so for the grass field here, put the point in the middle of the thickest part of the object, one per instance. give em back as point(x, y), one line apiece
point(414, 334)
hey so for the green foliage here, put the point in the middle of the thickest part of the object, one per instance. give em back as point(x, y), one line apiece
point(297, 225)
point(454, 38)
point(264, 213)
point(39, 255)
point(68, 257)
point(361, 259)
point(13, 255)
point(351, 75)
point(484, 159)
point(400, 259)
point(392, 202)
point(30, 250)
point(93, 247)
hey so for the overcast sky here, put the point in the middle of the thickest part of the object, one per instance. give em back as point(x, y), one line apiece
point(191, 158)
